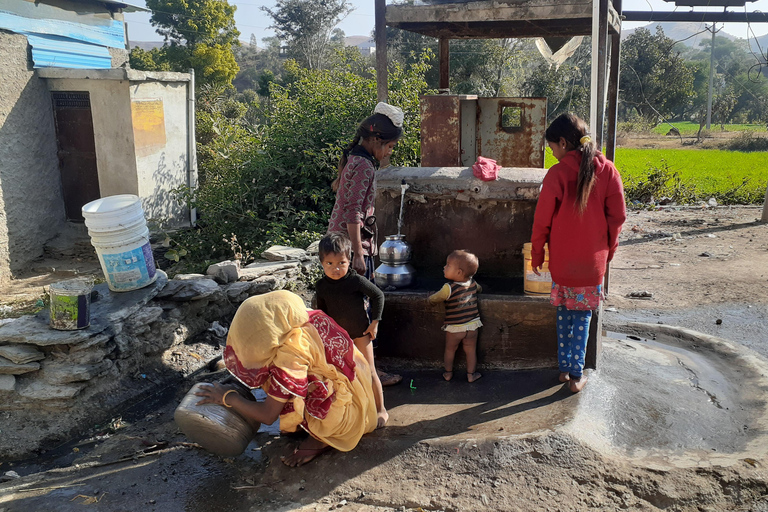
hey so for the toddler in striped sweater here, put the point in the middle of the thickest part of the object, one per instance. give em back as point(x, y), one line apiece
point(462, 317)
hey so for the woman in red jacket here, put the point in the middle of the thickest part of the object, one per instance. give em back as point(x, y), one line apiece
point(579, 214)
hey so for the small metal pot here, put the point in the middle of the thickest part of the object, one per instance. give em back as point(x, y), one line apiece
point(395, 250)
point(398, 276)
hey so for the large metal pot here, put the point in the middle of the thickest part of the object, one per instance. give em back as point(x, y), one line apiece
point(214, 427)
point(395, 250)
point(397, 276)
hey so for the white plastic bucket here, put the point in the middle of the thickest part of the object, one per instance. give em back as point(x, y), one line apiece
point(120, 236)
point(113, 213)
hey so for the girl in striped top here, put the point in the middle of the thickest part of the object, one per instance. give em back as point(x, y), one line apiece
point(462, 318)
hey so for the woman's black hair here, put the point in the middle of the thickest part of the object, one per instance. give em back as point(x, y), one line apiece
point(377, 125)
point(571, 128)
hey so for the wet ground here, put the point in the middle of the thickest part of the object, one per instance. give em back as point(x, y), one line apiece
point(661, 406)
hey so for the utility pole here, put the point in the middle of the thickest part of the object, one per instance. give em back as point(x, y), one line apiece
point(711, 73)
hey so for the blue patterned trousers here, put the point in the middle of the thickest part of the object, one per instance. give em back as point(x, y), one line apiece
point(572, 336)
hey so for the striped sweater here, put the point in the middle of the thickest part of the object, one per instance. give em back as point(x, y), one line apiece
point(460, 301)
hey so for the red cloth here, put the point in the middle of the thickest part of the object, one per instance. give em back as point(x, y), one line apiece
point(339, 351)
point(486, 169)
point(580, 246)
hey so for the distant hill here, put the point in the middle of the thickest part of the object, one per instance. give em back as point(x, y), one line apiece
point(146, 45)
point(683, 32)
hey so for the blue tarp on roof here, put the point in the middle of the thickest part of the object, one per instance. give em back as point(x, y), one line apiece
point(108, 33)
point(61, 52)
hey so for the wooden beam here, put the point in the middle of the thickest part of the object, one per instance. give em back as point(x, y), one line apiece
point(444, 63)
point(382, 91)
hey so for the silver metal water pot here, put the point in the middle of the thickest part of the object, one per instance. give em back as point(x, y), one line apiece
point(395, 250)
point(395, 270)
point(397, 276)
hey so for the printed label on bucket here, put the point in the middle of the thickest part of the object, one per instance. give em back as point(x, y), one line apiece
point(130, 270)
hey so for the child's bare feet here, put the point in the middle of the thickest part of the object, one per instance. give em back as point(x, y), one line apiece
point(472, 377)
point(564, 377)
point(577, 385)
point(447, 375)
point(383, 417)
point(306, 451)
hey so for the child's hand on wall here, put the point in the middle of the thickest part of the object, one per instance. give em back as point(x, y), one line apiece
point(373, 329)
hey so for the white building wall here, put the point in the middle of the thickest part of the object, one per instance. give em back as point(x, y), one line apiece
point(160, 136)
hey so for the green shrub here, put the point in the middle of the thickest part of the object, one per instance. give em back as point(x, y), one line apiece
point(746, 141)
point(270, 184)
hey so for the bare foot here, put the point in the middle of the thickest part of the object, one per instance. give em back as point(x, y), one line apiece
point(564, 377)
point(383, 417)
point(306, 451)
point(472, 377)
point(447, 375)
point(577, 385)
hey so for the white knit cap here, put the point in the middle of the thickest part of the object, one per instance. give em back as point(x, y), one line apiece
point(395, 114)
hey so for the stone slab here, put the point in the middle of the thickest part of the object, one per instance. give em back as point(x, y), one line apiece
point(7, 383)
point(182, 291)
point(21, 354)
point(64, 372)
point(10, 368)
point(111, 308)
point(284, 253)
point(258, 269)
point(38, 390)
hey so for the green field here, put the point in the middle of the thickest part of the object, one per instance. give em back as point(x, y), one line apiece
point(687, 128)
point(696, 174)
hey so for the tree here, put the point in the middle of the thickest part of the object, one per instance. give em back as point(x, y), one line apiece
point(654, 79)
point(198, 34)
point(306, 26)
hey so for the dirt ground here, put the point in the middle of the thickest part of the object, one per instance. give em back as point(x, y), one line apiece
point(699, 267)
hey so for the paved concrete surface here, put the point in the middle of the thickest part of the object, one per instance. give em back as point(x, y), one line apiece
point(678, 400)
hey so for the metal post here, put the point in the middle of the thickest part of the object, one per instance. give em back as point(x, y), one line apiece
point(381, 49)
point(711, 76)
point(191, 143)
point(445, 63)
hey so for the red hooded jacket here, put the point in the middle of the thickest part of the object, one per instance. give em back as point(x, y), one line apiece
point(580, 246)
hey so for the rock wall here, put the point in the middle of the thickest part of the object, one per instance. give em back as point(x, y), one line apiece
point(56, 384)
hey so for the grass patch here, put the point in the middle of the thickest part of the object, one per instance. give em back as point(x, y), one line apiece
point(731, 177)
point(688, 128)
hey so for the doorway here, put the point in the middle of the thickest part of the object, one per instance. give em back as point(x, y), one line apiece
point(76, 151)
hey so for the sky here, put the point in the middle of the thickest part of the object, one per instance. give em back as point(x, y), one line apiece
point(250, 19)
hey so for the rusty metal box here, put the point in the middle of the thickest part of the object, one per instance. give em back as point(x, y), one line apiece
point(456, 129)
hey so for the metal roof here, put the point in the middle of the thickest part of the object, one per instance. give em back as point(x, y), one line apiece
point(62, 52)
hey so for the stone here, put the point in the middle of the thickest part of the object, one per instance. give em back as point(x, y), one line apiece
point(7, 383)
point(258, 269)
point(313, 248)
point(38, 390)
point(146, 315)
point(96, 342)
point(283, 253)
point(10, 368)
point(189, 277)
point(108, 311)
point(21, 354)
point(237, 292)
point(182, 291)
point(224, 272)
point(67, 373)
point(262, 285)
